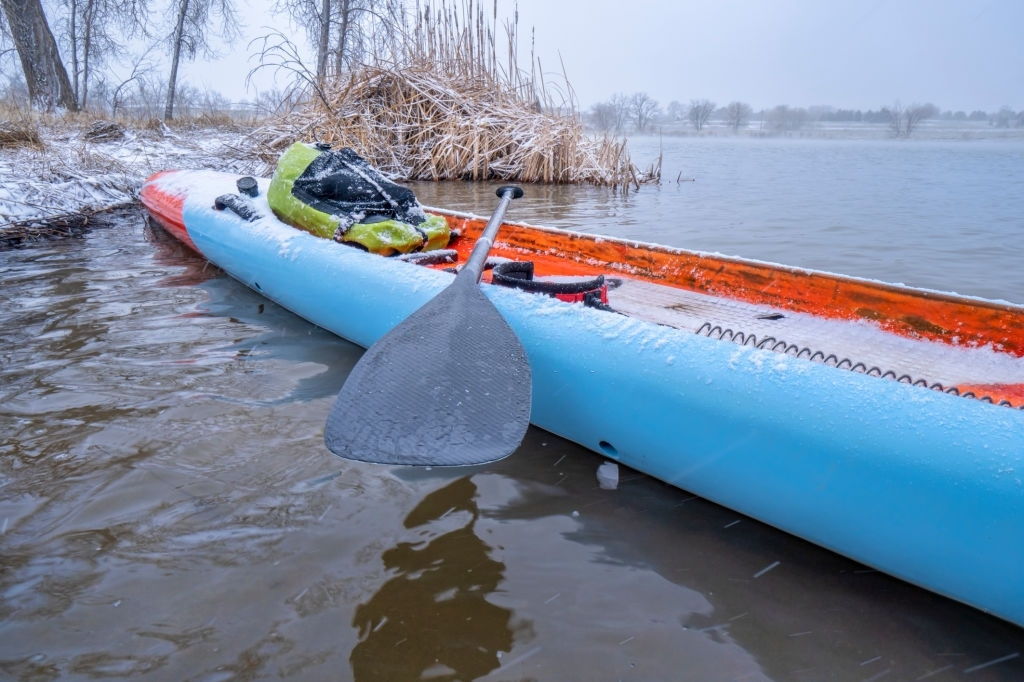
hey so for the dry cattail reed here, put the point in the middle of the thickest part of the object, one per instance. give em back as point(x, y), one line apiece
point(441, 105)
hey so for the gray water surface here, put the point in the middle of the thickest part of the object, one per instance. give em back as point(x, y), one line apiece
point(168, 510)
point(940, 214)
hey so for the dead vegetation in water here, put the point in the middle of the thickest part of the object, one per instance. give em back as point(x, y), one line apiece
point(442, 104)
point(48, 189)
point(415, 123)
point(23, 232)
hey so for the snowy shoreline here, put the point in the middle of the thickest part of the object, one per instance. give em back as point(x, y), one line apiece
point(61, 183)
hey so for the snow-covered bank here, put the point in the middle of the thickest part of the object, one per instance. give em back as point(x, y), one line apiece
point(69, 177)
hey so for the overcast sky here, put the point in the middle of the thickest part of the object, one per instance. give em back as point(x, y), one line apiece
point(959, 54)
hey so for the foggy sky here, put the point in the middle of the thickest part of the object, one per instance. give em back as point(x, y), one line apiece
point(958, 54)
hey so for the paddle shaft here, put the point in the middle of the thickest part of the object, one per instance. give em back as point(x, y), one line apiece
point(474, 266)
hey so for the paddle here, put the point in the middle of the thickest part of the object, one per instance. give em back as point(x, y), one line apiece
point(449, 386)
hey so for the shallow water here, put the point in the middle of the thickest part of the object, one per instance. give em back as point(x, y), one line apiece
point(168, 511)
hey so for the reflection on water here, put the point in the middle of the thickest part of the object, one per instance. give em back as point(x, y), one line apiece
point(168, 512)
point(433, 619)
point(748, 601)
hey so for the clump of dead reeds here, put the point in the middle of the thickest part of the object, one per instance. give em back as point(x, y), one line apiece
point(104, 131)
point(440, 103)
point(24, 232)
point(19, 132)
point(415, 122)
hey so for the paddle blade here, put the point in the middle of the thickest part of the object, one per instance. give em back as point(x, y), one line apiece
point(448, 386)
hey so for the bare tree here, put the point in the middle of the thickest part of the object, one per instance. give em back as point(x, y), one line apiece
point(915, 114)
point(605, 117)
point(903, 120)
point(784, 118)
point(343, 28)
point(895, 117)
point(642, 109)
point(676, 111)
point(315, 17)
point(621, 104)
point(323, 42)
point(737, 114)
point(275, 101)
point(611, 116)
point(146, 95)
point(278, 53)
point(95, 30)
point(45, 75)
point(13, 89)
point(141, 67)
point(190, 36)
point(700, 111)
point(212, 103)
point(1004, 117)
point(349, 37)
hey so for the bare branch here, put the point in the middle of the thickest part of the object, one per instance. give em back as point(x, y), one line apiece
point(278, 53)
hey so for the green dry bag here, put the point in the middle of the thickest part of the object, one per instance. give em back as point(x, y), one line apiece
point(336, 194)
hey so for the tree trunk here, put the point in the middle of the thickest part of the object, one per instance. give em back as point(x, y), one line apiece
point(83, 100)
point(172, 82)
point(45, 75)
point(322, 44)
point(339, 56)
point(73, 38)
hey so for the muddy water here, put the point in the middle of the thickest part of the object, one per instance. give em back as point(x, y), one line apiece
point(168, 512)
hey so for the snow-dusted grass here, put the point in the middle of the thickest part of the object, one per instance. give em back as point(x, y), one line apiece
point(65, 178)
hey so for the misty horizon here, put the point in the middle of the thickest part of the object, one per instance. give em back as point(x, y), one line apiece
point(957, 55)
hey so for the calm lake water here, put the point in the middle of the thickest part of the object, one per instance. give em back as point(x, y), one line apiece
point(942, 214)
point(168, 510)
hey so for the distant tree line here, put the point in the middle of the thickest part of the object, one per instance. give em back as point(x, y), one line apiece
point(641, 113)
point(86, 54)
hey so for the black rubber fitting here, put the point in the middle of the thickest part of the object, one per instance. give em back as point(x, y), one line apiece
point(517, 191)
point(248, 186)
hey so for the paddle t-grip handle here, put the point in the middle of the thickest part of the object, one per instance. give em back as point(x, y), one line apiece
point(474, 267)
point(517, 191)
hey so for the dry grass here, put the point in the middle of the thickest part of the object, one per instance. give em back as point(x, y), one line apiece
point(60, 184)
point(417, 123)
point(46, 182)
point(19, 132)
point(19, 122)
